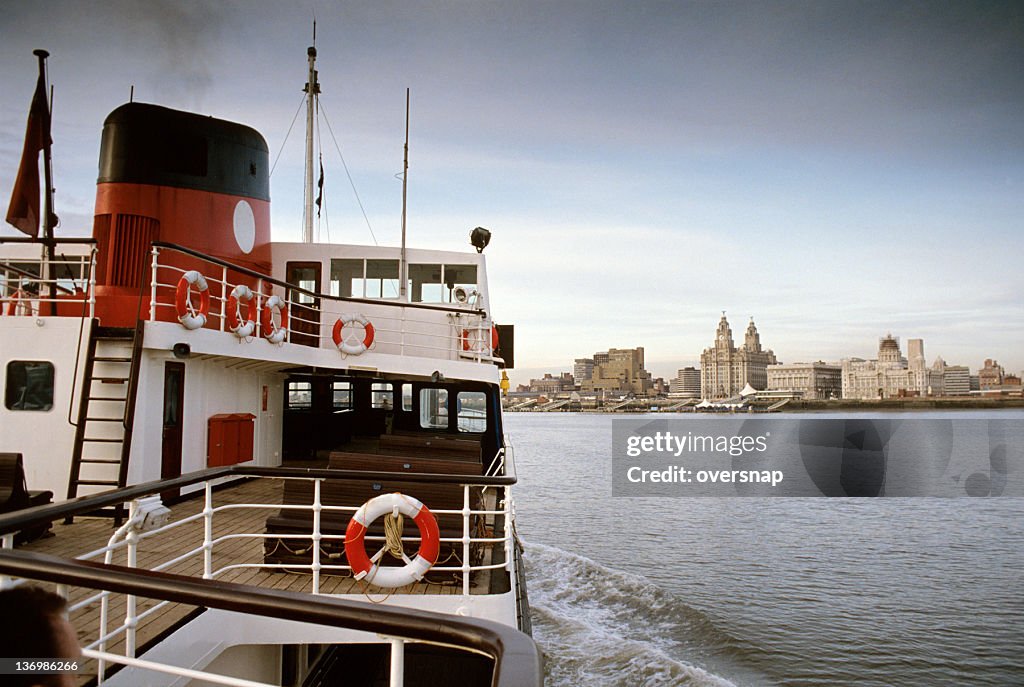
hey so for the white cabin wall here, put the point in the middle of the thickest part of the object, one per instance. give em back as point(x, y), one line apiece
point(45, 438)
point(210, 389)
point(260, 663)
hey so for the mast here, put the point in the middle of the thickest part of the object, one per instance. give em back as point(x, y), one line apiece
point(49, 219)
point(312, 90)
point(403, 266)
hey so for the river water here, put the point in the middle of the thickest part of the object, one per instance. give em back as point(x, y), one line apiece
point(759, 591)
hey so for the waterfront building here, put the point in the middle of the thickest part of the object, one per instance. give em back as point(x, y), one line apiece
point(815, 381)
point(990, 376)
point(950, 380)
point(619, 371)
point(892, 376)
point(582, 369)
point(725, 370)
point(551, 385)
point(686, 384)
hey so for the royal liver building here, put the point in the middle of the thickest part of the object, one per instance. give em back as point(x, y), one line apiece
point(725, 370)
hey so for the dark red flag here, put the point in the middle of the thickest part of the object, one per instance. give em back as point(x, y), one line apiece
point(23, 213)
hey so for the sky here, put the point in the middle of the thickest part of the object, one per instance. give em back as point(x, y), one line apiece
point(835, 170)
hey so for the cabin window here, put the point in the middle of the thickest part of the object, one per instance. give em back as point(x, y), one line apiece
point(437, 283)
point(455, 276)
point(407, 397)
point(381, 396)
point(472, 411)
point(29, 385)
point(434, 408)
point(425, 283)
point(342, 395)
point(300, 395)
point(364, 278)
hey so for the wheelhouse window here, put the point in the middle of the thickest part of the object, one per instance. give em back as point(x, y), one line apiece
point(300, 395)
point(407, 397)
point(381, 396)
point(29, 385)
point(472, 411)
point(357, 278)
point(434, 408)
point(341, 394)
point(440, 283)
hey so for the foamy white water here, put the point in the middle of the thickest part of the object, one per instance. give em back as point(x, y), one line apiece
point(749, 591)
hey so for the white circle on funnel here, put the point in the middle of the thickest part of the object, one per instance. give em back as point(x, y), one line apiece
point(245, 226)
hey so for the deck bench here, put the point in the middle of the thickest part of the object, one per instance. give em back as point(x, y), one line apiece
point(430, 446)
point(14, 494)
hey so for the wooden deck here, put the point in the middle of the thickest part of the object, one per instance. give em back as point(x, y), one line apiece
point(87, 534)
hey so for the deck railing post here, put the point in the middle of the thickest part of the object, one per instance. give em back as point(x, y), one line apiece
point(130, 616)
point(316, 535)
point(223, 296)
point(258, 332)
point(509, 524)
point(397, 663)
point(208, 533)
point(92, 283)
point(6, 542)
point(465, 539)
point(152, 284)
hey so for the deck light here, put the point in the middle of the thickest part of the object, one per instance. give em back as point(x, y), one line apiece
point(480, 237)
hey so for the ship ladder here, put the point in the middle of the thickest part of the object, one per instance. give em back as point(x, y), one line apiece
point(106, 412)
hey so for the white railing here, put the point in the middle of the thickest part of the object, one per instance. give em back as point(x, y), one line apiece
point(444, 331)
point(40, 287)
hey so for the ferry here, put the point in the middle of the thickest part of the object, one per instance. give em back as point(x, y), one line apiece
point(248, 462)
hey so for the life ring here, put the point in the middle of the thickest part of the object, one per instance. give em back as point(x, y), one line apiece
point(352, 348)
point(355, 547)
point(468, 346)
point(14, 302)
point(187, 314)
point(241, 328)
point(274, 335)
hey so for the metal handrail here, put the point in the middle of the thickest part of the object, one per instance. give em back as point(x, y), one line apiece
point(517, 659)
point(18, 520)
point(313, 294)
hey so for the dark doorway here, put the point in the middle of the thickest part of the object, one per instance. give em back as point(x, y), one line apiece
point(305, 315)
point(173, 413)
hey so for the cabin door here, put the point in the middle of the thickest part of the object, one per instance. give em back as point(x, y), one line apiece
point(173, 413)
point(304, 321)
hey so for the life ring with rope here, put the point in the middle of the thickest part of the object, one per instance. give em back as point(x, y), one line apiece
point(474, 345)
point(414, 570)
point(239, 327)
point(189, 317)
point(348, 347)
point(274, 335)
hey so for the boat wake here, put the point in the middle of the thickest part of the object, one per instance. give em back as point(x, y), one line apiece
point(598, 626)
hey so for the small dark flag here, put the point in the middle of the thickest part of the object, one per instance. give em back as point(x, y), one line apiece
point(23, 213)
point(320, 187)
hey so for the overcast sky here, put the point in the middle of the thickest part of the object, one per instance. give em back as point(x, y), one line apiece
point(838, 170)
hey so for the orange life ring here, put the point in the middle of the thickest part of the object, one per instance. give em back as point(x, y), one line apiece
point(355, 545)
point(187, 314)
point(241, 328)
point(467, 346)
point(12, 303)
point(274, 335)
point(352, 348)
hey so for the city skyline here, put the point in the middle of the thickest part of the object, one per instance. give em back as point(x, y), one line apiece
point(839, 170)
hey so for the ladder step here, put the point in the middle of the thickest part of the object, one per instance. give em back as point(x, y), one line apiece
point(105, 441)
point(107, 398)
point(110, 380)
point(105, 359)
point(105, 461)
point(104, 419)
point(97, 482)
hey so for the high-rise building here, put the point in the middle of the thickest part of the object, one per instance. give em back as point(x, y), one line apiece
point(620, 371)
point(582, 369)
point(891, 375)
point(686, 384)
point(725, 370)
